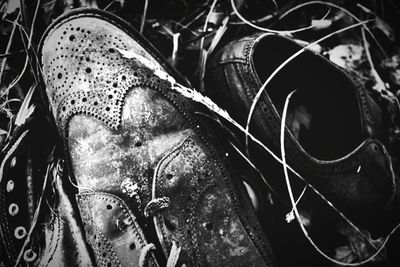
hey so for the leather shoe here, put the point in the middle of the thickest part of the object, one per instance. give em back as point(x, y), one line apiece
point(334, 137)
point(153, 184)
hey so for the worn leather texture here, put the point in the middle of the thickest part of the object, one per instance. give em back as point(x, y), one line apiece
point(130, 139)
point(359, 181)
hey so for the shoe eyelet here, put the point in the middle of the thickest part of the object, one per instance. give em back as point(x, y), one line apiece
point(375, 148)
point(29, 255)
point(20, 232)
point(138, 144)
point(13, 209)
point(10, 186)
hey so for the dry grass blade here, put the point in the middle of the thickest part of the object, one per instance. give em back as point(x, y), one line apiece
point(25, 111)
point(339, 8)
point(175, 47)
point(259, 173)
point(218, 35)
point(290, 215)
point(16, 80)
point(109, 5)
point(144, 15)
point(380, 84)
point(285, 32)
point(10, 40)
point(27, 47)
point(4, 108)
point(12, 54)
point(203, 52)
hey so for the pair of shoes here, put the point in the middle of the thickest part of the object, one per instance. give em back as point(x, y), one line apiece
point(153, 184)
point(334, 131)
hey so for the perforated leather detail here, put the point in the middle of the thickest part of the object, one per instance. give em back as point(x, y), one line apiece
point(14, 208)
point(111, 229)
point(104, 253)
point(149, 119)
point(87, 70)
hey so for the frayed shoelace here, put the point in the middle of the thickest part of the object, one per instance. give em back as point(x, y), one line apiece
point(172, 258)
point(152, 208)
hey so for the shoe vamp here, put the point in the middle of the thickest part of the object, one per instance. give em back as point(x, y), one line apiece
point(102, 157)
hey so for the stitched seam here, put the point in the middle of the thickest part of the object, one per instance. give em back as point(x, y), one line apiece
point(116, 200)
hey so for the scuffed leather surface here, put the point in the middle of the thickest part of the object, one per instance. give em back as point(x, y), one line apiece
point(64, 243)
point(103, 158)
point(109, 140)
point(201, 216)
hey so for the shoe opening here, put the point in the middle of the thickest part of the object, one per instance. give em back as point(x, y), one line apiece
point(323, 114)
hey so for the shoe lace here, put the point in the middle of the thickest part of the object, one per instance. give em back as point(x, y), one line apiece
point(152, 208)
point(172, 258)
point(156, 205)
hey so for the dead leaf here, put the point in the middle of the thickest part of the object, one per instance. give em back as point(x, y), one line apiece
point(392, 66)
point(9, 7)
point(344, 254)
point(297, 119)
point(361, 248)
point(347, 56)
point(320, 24)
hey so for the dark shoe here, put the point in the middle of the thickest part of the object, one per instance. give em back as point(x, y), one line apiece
point(335, 138)
point(17, 199)
point(24, 162)
point(147, 171)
